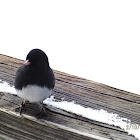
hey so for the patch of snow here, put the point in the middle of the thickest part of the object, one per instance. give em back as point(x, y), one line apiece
point(5, 87)
point(97, 115)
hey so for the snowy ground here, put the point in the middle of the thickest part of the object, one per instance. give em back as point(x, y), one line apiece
point(97, 115)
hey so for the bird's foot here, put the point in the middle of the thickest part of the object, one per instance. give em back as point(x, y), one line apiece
point(42, 112)
point(22, 107)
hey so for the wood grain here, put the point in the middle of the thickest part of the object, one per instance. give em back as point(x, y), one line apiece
point(70, 88)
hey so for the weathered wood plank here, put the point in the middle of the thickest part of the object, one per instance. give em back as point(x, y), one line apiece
point(22, 128)
point(84, 92)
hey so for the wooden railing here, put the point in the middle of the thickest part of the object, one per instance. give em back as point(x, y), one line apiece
point(58, 124)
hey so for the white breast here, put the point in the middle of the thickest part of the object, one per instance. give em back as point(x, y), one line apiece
point(34, 93)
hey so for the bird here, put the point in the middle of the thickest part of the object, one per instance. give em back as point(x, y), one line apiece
point(34, 80)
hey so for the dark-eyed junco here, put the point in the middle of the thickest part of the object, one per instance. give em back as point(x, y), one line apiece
point(35, 79)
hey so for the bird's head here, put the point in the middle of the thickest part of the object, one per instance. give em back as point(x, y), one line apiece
point(36, 57)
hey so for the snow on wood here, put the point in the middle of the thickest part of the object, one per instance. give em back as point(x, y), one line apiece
point(69, 89)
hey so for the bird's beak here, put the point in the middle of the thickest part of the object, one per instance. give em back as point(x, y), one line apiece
point(27, 63)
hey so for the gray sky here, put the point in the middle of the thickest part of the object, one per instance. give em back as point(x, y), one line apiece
point(98, 40)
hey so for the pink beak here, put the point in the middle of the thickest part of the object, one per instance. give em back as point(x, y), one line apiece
point(27, 63)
